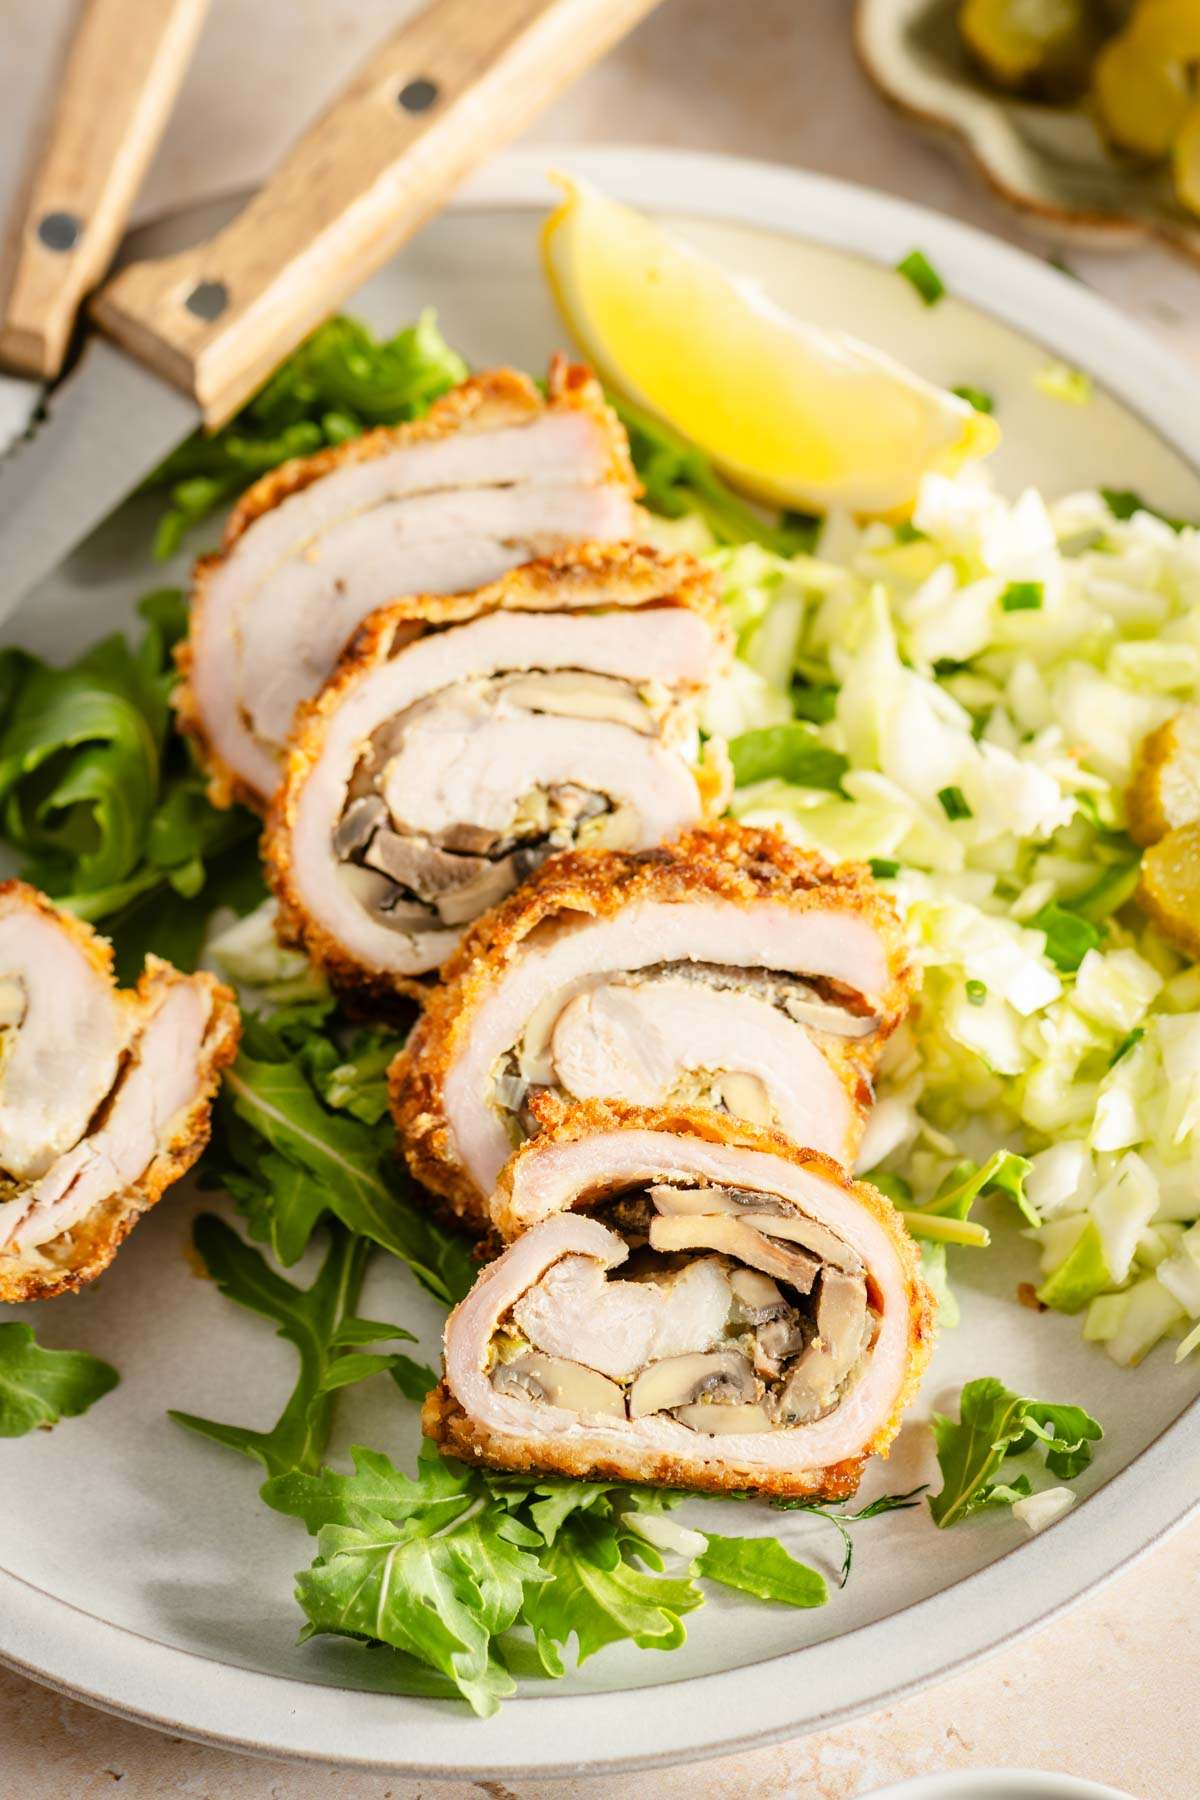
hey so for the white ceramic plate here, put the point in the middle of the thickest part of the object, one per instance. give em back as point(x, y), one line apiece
point(138, 1568)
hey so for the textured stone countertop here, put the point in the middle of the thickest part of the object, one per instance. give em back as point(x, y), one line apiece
point(1108, 1692)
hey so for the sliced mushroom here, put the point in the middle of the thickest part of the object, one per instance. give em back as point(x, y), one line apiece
point(575, 695)
point(723, 1377)
point(775, 1340)
point(560, 1383)
point(719, 1421)
point(799, 1229)
point(420, 866)
point(757, 1296)
point(676, 1200)
point(358, 824)
point(819, 1015)
point(815, 1381)
point(734, 1237)
point(474, 840)
point(488, 883)
point(383, 898)
point(746, 1098)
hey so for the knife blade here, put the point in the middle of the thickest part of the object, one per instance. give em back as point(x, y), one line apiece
point(108, 423)
point(211, 323)
point(123, 67)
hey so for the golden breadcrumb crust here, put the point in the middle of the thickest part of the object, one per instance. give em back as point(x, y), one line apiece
point(492, 398)
point(724, 861)
point(570, 581)
point(444, 1420)
point(80, 1254)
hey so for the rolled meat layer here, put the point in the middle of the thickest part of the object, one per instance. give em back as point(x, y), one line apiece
point(463, 741)
point(689, 1301)
point(729, 970)
point(105, 1093)
point(493, 476)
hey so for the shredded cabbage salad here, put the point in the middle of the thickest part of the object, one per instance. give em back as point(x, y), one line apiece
point(960, 700)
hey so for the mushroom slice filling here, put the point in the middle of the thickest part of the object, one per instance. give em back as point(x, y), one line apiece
point(104, 1093)
point(644, 1320)
point(450, 757)
point(491, 478)
point(729, 971)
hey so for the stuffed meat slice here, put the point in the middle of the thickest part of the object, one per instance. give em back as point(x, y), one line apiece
point(688, 1301)
point(104, 1093)
point(462, 741)
point(492, 477)
point(729, 970)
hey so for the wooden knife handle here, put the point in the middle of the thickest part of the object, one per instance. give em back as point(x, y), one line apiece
point(123, 69)
point(456, 81)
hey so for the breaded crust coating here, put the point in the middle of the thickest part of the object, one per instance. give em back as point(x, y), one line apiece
point(445, 1421)
point(492, 398)
point(723, 861)
point(633, 577)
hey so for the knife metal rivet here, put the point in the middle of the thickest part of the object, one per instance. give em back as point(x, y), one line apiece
point(60, 230)
point(418, 96)
point(208, 300)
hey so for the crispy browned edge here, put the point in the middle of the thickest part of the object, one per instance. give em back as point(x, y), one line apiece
point(444, 1420)
point(94, 1243)
point(636, 576)
point(723, 860)
point(569, 384)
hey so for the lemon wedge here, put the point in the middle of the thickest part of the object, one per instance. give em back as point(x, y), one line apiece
point(793, 415)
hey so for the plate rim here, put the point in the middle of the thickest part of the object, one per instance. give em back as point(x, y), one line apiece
point(139, 1678)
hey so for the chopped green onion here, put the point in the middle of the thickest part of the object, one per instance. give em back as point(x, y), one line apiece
point(1022, 596)
point(1068, 937)
point(815, 702)
point(1126, 1045)
point(954, 803)
point(979, 398)
point(976, 993)
point(1122, 503)
point(917, 268)
point(884, 869)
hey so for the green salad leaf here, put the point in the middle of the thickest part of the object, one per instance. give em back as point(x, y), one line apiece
point(320, 1321)
point(515, 1568)
point(288, 1156)
point(39, 1387)
point(993, 1425)
point(103, 803)
point(340, 382)
point(761, 1566)
point(791, 752)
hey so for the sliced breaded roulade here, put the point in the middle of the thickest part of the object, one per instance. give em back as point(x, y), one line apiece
point(493, 476)
point(463, 741)
point(105, 1093)
point(684, 1300)
point(730, 969)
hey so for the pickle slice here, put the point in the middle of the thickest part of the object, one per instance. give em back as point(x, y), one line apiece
point(1187, 159)
point(1166, 779)
point(1041, 46)
point(1140, 95)
point(1169, 889)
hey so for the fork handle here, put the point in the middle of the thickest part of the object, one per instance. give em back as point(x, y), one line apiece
point(452, 84)
point(123, 69)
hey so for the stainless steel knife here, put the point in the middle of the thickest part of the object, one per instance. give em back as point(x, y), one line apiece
point(188, 339)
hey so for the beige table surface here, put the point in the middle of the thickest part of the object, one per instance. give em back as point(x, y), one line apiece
point(1110, 1692)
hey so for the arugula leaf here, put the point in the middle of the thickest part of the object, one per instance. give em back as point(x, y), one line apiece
point(318, 1321)
point(340, 381)
point(596, 1595)
point(287, 1157)
point(788, 752)
point(678, 478)
point(763, 1567)
point(39, 1387)
point(994, 1424)
point(842, 1520)
point(947, 1216)
point(103, 803)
